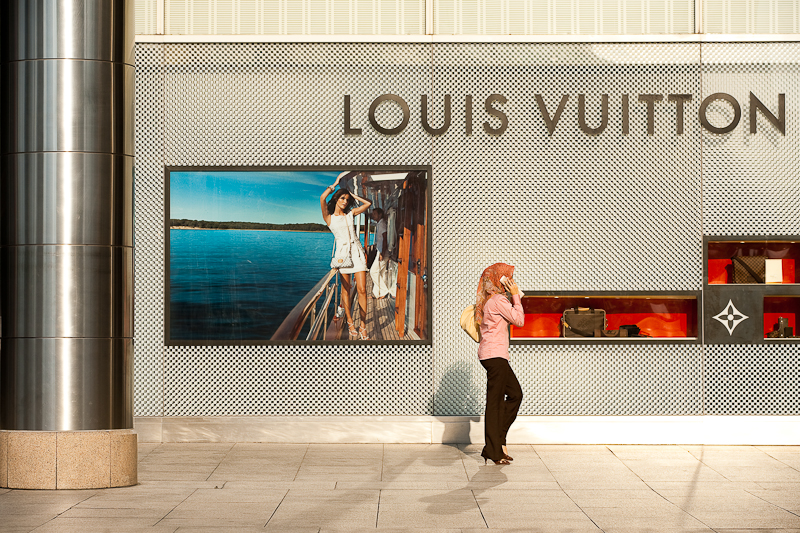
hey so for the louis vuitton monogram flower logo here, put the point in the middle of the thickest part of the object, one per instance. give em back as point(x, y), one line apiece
point(730, 317)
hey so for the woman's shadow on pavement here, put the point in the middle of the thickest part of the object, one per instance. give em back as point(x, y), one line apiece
point(457, 395)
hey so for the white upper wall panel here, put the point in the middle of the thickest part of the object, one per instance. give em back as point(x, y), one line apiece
point(146, 17)
point(465, 17)
point(283, 17)
point(563, 17)
point(751, 16)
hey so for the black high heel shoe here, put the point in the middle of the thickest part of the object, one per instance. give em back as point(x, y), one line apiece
point(502, 461)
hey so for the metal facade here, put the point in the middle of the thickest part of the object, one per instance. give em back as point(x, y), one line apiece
point(573, 212)
point(749, 181)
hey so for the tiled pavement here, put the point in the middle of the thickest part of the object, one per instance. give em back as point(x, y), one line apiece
point(431, 488)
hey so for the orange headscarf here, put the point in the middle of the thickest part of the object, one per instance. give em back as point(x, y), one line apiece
point(490, 285)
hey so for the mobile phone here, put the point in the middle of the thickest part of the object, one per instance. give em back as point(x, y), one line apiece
point(504, 279)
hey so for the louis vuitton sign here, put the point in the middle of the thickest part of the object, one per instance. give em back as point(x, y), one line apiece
point(494, 120)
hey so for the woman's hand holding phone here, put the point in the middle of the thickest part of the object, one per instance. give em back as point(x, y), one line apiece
point(510, 284)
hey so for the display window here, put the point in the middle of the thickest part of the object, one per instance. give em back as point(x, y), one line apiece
point(250, 255)
point(753, 261)
point(752, 292)
point(608, 316)
point(780, 317)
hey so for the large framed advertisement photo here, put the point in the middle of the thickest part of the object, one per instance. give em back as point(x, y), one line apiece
point(250, 255)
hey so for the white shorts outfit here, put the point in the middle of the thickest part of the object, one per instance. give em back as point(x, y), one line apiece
point(343, 229)
point(379, 272)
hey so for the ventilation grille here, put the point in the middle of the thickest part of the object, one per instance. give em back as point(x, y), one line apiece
point(295, 17)
point(751, 16)
point(146, 17)
point(563, 17)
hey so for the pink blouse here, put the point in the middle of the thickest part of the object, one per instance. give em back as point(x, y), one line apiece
point(497, 313)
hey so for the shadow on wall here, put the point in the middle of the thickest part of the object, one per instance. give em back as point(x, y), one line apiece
point(458, 394)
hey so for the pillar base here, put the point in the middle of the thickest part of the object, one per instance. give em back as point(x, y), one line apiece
point(68, 459)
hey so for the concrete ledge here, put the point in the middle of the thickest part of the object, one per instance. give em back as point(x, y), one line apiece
point(68, 459)
point(722, 430)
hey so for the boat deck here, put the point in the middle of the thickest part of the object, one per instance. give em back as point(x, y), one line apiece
point(380, 319)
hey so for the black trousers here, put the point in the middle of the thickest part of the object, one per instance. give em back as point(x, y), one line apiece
point(503, 398)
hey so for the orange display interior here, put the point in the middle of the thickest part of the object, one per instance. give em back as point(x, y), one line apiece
point(657, 317)
point(720, 265)
point(781, 306)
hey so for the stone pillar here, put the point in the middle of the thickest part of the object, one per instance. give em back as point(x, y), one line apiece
point(66, 244)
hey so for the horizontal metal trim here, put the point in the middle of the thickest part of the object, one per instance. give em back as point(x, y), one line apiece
point(631, 294)
point(422, 39)
point(68, 152)
point(690, 429)
point(87, 60)
point(67, 244)
point(750, 238)
point(70, 338)
point(603, 341)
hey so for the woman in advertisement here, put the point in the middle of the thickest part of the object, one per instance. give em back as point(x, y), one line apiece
point(494, 312)
point(338, 213)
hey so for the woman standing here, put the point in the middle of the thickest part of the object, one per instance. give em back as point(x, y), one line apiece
point(494, 312)
point(338, 214)
point(379, 271)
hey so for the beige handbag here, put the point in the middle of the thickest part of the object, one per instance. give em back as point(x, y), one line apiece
point(468, 323)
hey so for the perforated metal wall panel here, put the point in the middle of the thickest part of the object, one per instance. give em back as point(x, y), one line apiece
point(573, 211)
point(563, 208)
point(585, 380)
point(148, 308)
point(310, 381)
point(752, 380)
point(750, 184)
point(245, 105)
point(274, 104)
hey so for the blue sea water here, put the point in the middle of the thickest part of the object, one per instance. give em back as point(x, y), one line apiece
point(240, 284)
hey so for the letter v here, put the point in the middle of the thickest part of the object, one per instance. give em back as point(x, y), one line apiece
point(551, 123)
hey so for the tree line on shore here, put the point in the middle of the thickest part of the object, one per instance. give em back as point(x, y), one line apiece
point(210, 224)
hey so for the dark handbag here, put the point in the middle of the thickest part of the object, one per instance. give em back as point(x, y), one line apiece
point(749, 269)
point(781, 330)
point(583, 322)
point(631, 330)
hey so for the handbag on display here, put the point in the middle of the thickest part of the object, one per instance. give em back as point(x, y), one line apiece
point(583, 322)
point(342, 257)
point(781, 330)
point(749, 269)
point(468, 323)
point(631, 330)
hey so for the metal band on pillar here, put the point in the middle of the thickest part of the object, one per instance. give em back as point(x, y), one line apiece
point(66, 237)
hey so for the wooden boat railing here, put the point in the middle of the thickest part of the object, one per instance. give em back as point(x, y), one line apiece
point(293, 324)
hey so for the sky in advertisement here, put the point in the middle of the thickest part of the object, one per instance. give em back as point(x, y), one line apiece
point(275, 197)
